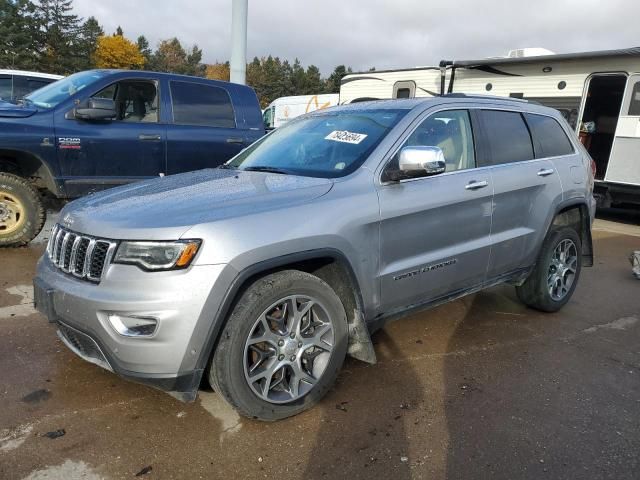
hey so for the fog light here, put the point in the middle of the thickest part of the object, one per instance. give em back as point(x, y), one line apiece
point(132, 326)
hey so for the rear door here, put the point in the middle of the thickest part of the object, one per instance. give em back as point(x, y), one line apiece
point(435, 231)
point(525, 190)
point(203, 133)
point(624, 162)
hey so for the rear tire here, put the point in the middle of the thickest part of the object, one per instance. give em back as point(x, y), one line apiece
point(22, 214)
point(267, 364)
point(555, 276)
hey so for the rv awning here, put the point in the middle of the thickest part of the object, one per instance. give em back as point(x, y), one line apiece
point(634, 52)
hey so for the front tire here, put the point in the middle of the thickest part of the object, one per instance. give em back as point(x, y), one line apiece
point(555, 276)
point(282, 346)
point(22, 214)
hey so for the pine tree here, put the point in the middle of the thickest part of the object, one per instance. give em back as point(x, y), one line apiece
point(18, 31)
point(90, 32)
point(119, 32)
point(145, 50)
point(59, 36)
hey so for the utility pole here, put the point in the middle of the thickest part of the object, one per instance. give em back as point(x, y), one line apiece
point(239, 41)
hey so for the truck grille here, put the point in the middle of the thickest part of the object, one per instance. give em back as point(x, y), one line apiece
point(79, 255)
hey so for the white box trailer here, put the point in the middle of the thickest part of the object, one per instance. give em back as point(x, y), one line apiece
point(284, 109)
point(597, 92)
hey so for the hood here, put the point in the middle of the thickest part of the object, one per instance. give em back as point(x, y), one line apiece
point(165, 208)
point(16, 111)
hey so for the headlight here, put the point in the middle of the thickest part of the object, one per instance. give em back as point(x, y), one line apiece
point(157, 255)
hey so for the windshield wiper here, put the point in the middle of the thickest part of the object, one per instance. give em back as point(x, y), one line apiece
point(267, 169)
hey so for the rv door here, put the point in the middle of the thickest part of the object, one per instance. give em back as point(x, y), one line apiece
point(624, 162)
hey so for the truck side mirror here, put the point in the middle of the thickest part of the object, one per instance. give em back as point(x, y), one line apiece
point(96, 109)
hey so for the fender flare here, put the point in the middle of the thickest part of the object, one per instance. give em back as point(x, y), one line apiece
point(585, 233)
point(219, 320)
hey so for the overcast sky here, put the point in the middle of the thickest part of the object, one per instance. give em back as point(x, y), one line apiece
point(380, 33)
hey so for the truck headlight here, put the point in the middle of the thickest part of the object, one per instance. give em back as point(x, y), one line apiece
point(157, 255)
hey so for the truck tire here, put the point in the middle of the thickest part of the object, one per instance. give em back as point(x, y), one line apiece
point(282, 346)
point(21, 211)
point(555, 276)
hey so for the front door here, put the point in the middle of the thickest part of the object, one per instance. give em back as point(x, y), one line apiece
point(624, 162)
point(97, 155)
point(435, 231)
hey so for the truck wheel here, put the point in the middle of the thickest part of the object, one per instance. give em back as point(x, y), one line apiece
point(282, 346)
point(556, 273)
point(21, 211)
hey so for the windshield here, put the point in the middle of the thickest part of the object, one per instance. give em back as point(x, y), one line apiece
point(329, 145)
point(54, 93)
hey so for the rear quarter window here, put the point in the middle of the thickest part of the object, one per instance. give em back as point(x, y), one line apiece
point(507, 138)
point(202, 105)
point(549, 138)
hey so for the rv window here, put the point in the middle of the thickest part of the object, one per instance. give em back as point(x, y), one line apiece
point(634, 106)
point(404, 89)
point(549, 139)
point(508, 138)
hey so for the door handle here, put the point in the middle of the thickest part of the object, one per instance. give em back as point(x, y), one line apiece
point(235, 140)
point(152, 137)
point(473, 185)
point(545, 171)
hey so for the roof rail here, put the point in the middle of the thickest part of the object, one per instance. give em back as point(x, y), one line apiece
point(487, 97)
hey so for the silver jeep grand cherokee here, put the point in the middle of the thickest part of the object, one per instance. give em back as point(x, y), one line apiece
point(263, 274)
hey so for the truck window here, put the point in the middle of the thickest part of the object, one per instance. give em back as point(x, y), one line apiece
point(202, 105)
point(267, 117)
point(549, 138)
point(5, 88)
point(136, 100)
point(508, 138)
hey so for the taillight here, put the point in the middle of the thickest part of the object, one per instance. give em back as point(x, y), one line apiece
point(593, 167)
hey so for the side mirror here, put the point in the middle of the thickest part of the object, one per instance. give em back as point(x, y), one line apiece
point(96, 109)
point(421, 162)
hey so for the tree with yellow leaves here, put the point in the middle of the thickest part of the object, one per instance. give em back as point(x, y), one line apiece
point(117, 52)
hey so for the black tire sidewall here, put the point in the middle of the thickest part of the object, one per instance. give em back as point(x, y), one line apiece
point(34, 211)
point(228, 360)
point(547, 303)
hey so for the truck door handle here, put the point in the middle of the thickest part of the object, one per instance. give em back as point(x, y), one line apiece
point(545, 171)
point(235, 140)
point(473, 185)
point(151, 137)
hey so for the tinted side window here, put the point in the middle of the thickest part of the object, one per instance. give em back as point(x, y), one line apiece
point(508, 138)
point(5, 88)
point(197, 104)
point(549, 138)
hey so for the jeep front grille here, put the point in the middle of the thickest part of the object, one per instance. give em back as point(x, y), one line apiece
point(79, 255)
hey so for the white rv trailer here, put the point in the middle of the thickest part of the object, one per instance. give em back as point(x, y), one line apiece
point(284, 109)
point(597, 92)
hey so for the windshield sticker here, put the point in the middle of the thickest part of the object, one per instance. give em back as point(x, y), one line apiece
point(346, 137)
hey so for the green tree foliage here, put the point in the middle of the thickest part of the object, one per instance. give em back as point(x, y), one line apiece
point(45, 35)
point(17, 32)
point(59, 36)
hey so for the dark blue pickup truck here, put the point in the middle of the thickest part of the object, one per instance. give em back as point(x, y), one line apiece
point(101, 128)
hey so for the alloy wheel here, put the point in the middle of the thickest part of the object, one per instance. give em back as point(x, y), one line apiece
point(288, 349)
point(562, 270)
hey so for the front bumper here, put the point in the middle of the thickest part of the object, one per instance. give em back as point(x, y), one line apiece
point(168, 359)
